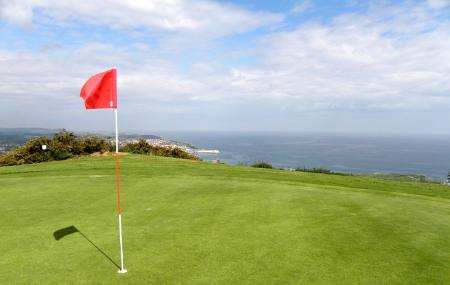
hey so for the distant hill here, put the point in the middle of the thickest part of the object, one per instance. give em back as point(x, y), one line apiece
point(12, 131)
point(13, 137)
point(20, 135)
point(145, 137)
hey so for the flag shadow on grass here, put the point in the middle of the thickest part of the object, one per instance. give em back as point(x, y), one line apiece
point(59, 234)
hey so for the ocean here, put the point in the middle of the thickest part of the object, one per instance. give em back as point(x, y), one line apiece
point(403, 154)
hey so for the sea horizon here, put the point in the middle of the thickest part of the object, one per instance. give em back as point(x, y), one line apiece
point(352, 153)
point(407, 154)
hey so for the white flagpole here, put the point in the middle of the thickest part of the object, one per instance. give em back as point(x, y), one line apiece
point(122, 269)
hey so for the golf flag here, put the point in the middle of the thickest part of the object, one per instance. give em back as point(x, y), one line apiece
point(100, 91)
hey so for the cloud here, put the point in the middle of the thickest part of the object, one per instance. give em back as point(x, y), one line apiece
point(439, 3)
point(16, 12)
point(197, 17)
point(37, 88)
point(302, 7)
point(394, 57)
point(389, 58)
point(56, 76)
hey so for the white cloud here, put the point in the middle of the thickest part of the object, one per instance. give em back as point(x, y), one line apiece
point(397, 57)
point(205, 17)
point(382, 59)
point(390, 58)
point(439, 3)
point(57, 75)
point(17, 12)
point(302, 7)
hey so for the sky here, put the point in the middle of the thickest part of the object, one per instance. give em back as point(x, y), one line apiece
point(293, 66)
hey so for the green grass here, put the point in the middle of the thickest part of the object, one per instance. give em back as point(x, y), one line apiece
point(188, 222)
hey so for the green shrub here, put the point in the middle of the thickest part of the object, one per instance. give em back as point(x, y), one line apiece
point(93, 144)
point(30, 152)
point(143, 147)
point(62, 145)
point(8, 159)
point(262, 164)
point(320, 170)
point(65, 145)
point(140, 147)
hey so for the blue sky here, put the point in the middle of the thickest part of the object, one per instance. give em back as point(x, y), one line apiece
point(325, 66)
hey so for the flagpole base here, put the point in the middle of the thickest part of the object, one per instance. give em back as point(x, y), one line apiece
point(122, 271)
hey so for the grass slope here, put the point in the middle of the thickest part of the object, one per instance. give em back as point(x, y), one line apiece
point(188, 222)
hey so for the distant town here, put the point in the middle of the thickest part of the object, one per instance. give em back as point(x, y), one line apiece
point(158, 141)
point(5, 147)
point(171, 144)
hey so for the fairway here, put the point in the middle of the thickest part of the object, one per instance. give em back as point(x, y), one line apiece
point(190, 222)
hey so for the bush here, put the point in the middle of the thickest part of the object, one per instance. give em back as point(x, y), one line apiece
point(320, 170)
point(262, 164)
point(140, 147)
point(62, 145)
point(93, 144)
point(314, 170)
point(143, 147)
point(8, 159)
point(30, 152)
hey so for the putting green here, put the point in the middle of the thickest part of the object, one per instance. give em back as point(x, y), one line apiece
point(188, 222)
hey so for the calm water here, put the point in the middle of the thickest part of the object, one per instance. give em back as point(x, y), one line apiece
point(427, 155)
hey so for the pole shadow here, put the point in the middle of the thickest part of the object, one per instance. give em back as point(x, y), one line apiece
point(61, 233)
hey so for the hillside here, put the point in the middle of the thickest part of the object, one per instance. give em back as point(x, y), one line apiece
point(190, 222)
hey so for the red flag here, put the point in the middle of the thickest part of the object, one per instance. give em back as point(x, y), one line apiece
point(100, 91)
